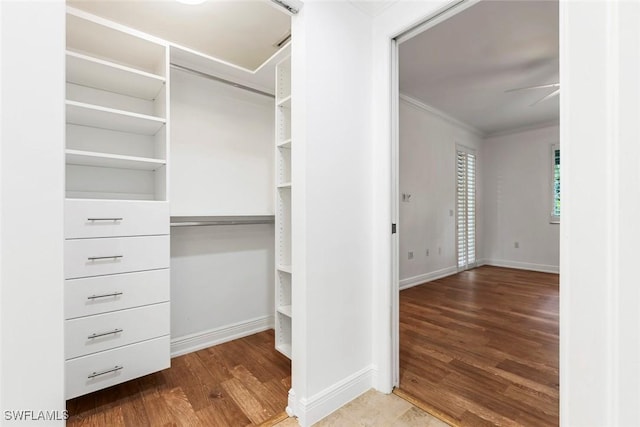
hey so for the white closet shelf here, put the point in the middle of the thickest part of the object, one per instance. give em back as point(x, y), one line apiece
point(100, 74)
point(285, 144)
point(284, 349)
point(285, 309)
point(284, 185)
point(284, 268)
point(285, 102)
point(80, 113)
point(90, 158)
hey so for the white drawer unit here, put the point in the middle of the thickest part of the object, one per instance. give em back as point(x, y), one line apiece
point(92, 334)
point(117, 213)
point(102, 294)
point(96, 257)
point(114, 218)
point(97, 371)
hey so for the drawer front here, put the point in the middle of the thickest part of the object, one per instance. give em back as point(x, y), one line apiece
point(101, 332)
point(125, 363)
point(108, 218)
point(96, 257)
point(102, 294)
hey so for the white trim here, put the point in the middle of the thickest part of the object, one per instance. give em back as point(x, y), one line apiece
point(198, 341)
point(544, 268)
point(441, 114)
point(410, 282)
point(543, 125)
point(318, 406)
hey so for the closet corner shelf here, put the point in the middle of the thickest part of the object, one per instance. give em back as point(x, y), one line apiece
point(80, 113)
point(92, 72)
point(285, 144)
point(284, 349)
point(285, 309)
point(284, 185)
point(90, 158)
point(285, 268)
point(285, 102)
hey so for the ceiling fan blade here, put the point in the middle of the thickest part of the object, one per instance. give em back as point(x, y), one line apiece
point(551, 95)
point(534, 87)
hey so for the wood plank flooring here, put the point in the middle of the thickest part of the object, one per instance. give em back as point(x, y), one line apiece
point(481, 347)
point(240, 383)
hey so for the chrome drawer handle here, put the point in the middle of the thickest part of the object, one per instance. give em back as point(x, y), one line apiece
point(104, 219)
point(115, 294)
point(108, 371)
point(95, 258)
point(103, 334)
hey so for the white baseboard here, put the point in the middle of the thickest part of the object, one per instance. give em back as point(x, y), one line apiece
point(211, 337)
point(427, 277)
point(312, 410)
point(521, 265)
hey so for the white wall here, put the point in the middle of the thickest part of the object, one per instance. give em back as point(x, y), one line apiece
point(222, 283)
point(517, 201)
point(331, 191)
point(221, 148)
point(31, 213)
point(599, 293)
point(428, 172)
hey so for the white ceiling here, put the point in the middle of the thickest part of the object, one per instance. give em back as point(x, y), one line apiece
point(242, 32)
point(463, 66)
point(372, 7)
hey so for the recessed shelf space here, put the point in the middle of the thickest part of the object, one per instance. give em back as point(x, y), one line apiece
point(283, 209)
point(285, 309)
point(283, 334)
point(285, 144)
point(96, 73)
point(284, 268)
point(83, 114)
point(88, 158)
point(283, 80)
point(284, 349)
point(285, 103)
point(100, 40)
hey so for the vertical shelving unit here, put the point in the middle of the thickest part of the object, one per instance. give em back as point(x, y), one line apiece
point(116, 107)
point(284, 273)
point(117, 296)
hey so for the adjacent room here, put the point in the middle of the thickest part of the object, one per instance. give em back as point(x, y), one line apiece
point(479, 213)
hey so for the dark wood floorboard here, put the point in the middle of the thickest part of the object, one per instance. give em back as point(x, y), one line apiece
point(481, 347)
point(240, 383)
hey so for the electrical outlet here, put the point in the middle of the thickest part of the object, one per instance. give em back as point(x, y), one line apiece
point(439, 251)
point(427, 252)
point(516, 245)
point(410, 255)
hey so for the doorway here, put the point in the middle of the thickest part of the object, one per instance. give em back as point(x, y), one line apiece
point(442, 230)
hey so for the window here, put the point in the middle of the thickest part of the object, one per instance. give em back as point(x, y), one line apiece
point(555, 186)
point(466, 207)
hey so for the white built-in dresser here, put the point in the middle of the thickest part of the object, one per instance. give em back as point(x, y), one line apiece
point(117, 317)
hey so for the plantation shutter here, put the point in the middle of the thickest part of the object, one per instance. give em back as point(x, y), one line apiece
point(466, 208)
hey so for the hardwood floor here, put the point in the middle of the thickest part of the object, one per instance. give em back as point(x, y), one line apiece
point(481, 347)
point(240, 383)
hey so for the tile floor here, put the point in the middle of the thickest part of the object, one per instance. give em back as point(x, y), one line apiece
point(375, 409)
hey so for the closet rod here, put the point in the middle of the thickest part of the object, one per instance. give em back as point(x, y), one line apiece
point(218, 79)
point(204, 221)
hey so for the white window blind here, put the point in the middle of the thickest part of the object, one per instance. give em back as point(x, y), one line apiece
point(555, 186)
point(466, 208)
